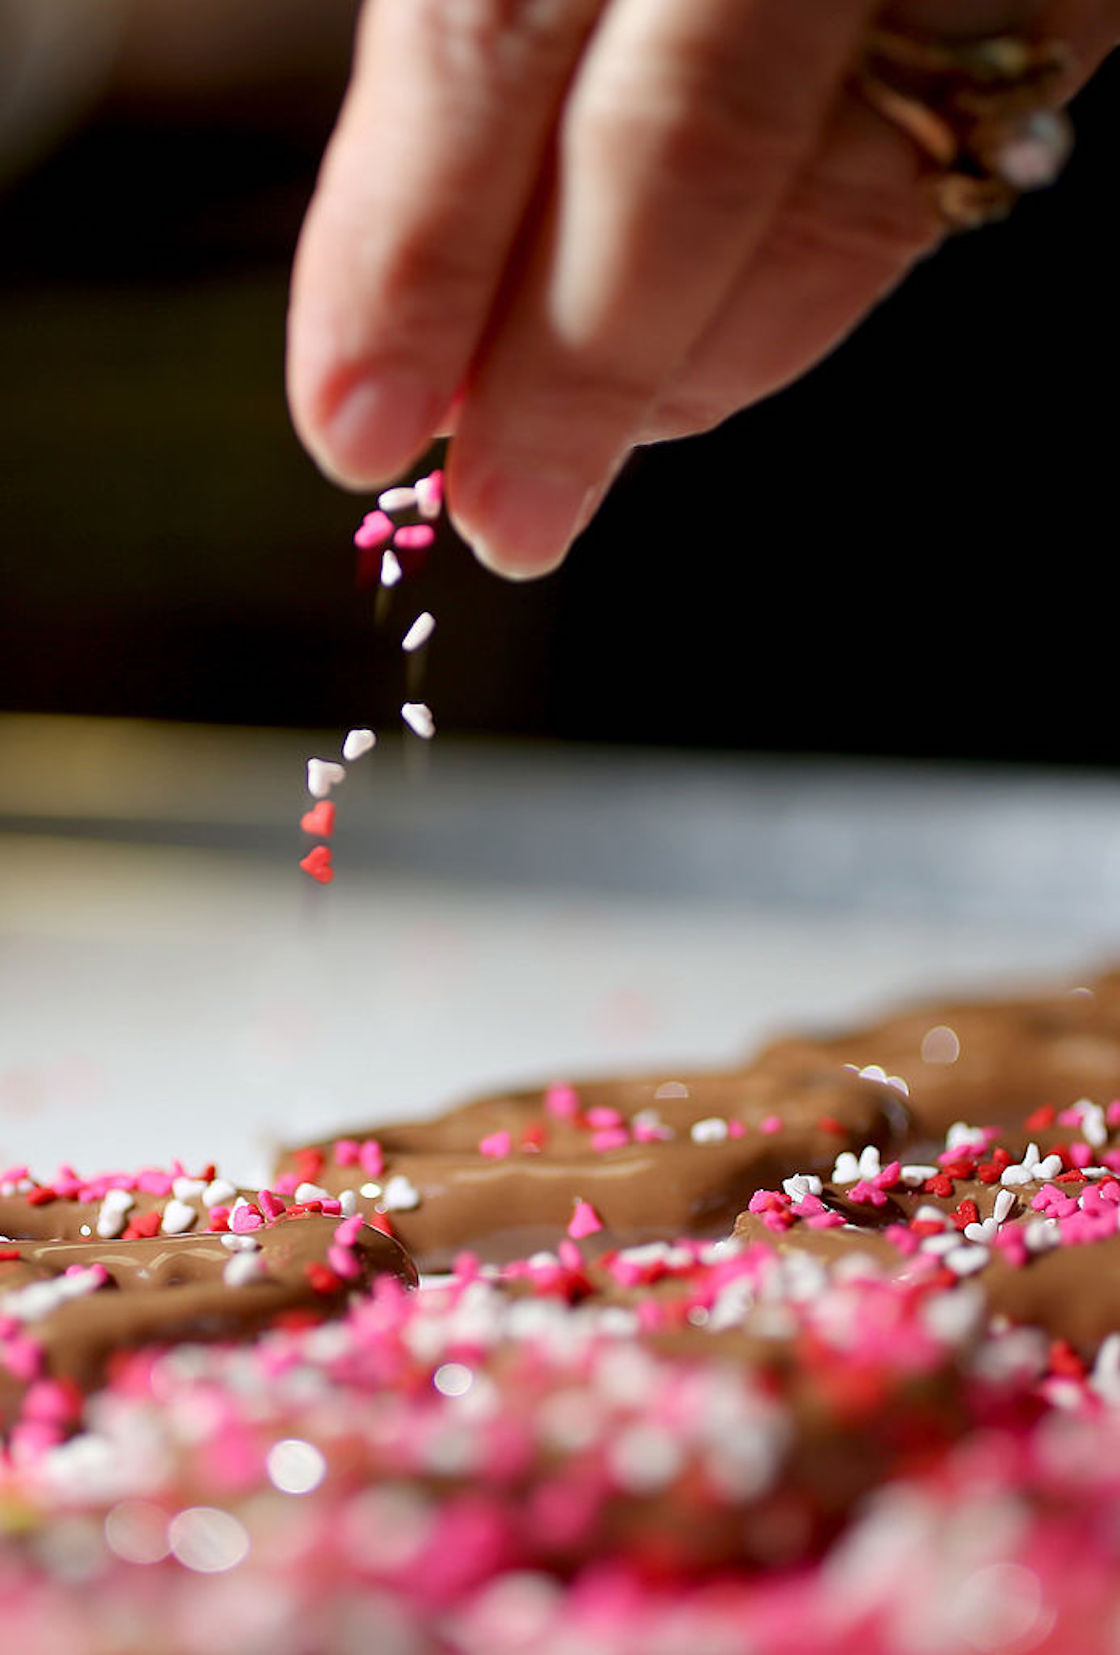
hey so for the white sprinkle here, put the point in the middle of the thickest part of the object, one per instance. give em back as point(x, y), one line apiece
point(1094, 1126)
point(428, 497)
point(400, 1195)
point(244, 1268)
point(870, 1166)
point(177, 1218)
point(1003, 1206)
point(1105, 1377)
point(295, 1466)
point(397, 499)
point(419, 632)
point(1041, 1234)
point(453, 1379)
point(929, 1214)
point(348, 1201)
point(390, 568)
point(644, 1458)
point(322, 775)
point(418, 716)
point(357, 744)
point(218, 1193)
point(240, 1242)
point(207, 1540)
point(846, 1170)
point(713, 1130)
point(370, 1191)
point(801, 1185)
point(940, 1245)
point(915, 1174)
point(960, 1133)
point(111, 1219)
point(966, 1260)
point(188, 1189)
point(312, 1192)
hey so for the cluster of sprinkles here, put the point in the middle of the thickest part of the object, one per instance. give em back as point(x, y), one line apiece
point(388, 550)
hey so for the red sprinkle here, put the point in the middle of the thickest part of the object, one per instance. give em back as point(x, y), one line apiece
point(41, 1195)
point(322, 1279)
point(320, 820)
point(829, 1123)
point(1041, 1118)
point(143, 1227)
point(317, 863)
point(1065, 1361)
point(7, 1254)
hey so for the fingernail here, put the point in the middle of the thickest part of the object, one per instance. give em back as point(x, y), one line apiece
point(379, 425)
point(522, 526)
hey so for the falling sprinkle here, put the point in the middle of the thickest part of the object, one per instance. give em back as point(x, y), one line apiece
point(416, 537)
point(357, 744)
point(418, 716)
point(397, 499)
point(429, 494)
point(317, 863)
point(374, 530)
point(390, 569)
point(417, 635)
point(322, 775)
point(319, 820)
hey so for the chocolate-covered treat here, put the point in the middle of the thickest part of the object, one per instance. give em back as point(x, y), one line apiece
point(1036, 1228)
point(175, 1270)
point(629, 1160)
point(985, 1061)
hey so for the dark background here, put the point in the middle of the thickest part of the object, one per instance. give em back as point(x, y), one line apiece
point(917, 557)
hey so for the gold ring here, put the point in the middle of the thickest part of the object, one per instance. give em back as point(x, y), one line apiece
point(983, 112)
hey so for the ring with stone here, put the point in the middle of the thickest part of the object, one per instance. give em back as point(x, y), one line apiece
point(983, 112)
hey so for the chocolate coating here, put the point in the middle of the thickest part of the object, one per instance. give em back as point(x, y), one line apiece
point(509, 1207)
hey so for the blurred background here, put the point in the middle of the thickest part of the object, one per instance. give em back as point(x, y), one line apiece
point(756, 755)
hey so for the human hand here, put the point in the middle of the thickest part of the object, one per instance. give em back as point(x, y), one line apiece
point(572, 226)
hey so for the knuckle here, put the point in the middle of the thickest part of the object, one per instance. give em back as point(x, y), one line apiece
point(694, 124)
point(499, 39)
point(861, 218)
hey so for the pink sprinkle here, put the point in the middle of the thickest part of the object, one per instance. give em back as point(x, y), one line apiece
point(585, 1221)
point(417, 537)
point(244, 1219)
point(271, 1205)
point(23, 1357)
point(569, 1254)
point(612, 1137)
point(866, 1191)
point(770, 1124)
point(1070, 1117)
point(1112, 1113)
point(374, 530)
point(651, 1132)
point(1081, 1154)
point(286, 1184)
point(466, 1265)
point(154, 1182)
point(372, 1158)
point(347, 1152)
point(736, 1129)
point(349, 1230)
point(562, 1101)
point(343, 1262)
point(602, 1117)
point(765, 1201)
point(429, 494)
point(496, 1144)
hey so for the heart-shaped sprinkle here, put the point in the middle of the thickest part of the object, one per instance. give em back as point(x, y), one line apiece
point(397, 499)
point(416, 537)
point(320, 819)
point(177, 1218)
point(322, 775)
point(429, 494)
point(374, 530)
point(357, 744)
point(418, 716)
point(317, 863)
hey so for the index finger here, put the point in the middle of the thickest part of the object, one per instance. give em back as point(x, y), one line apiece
point(422, 193)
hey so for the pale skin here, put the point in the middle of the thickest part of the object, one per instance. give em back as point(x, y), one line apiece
point(566, 227)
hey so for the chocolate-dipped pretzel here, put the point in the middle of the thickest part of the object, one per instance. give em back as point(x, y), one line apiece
point(70, 1297)
point(630, 1160)
point(1036, 1227)
point(983, 1061)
